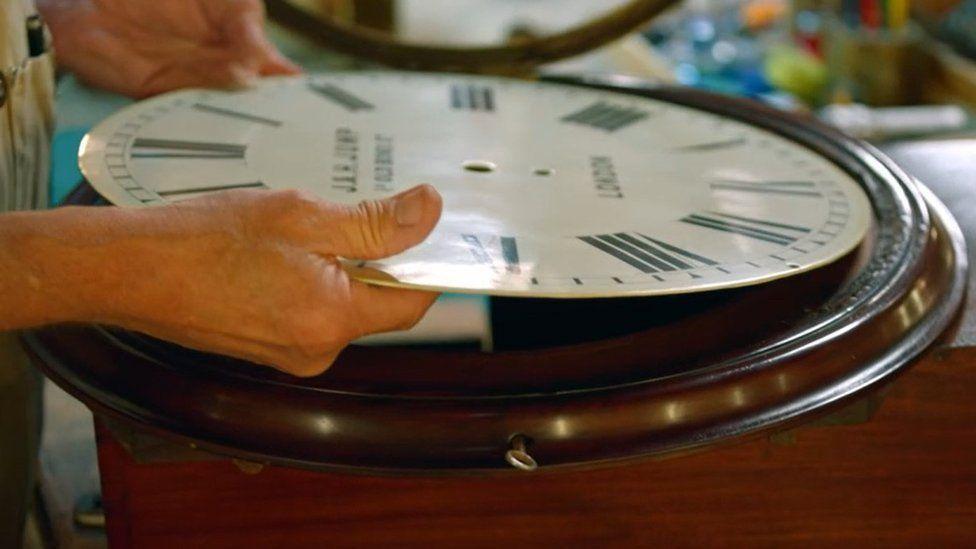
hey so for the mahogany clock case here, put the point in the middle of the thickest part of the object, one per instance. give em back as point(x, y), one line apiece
point(581, 381)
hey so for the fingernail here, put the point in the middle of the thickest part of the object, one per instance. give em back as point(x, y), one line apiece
point(244, 78)
point(409, 207)
point(286, 62)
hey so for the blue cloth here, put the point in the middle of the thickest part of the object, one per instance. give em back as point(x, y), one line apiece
point(64, 163)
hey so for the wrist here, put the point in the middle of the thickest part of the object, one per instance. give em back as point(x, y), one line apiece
point(132, 267)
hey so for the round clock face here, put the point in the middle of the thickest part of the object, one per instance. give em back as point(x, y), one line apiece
point(549, 189)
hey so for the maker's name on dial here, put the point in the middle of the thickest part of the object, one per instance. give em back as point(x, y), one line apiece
point(605, 177)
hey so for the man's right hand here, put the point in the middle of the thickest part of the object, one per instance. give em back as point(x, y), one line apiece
point(252, 274)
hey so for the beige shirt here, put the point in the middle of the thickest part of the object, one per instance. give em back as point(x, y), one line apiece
point(26, 112)
point(26, 125)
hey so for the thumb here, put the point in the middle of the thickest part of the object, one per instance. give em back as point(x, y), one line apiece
point(277, 64)
point(374, 229)
point(253, 48)
point(245, 39)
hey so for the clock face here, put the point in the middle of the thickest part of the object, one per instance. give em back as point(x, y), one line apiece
point(549, 189)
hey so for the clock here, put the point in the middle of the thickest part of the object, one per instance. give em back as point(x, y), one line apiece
point(550, 190)
point(671, 191)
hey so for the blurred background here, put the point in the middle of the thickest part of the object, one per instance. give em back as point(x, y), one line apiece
point(840, 59)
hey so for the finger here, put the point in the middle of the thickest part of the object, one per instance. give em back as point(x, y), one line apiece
point(381, 309)
point(268, 59)
point(277, 64)
point(290, 360)
point(245, 35)
point(374, 229)
point(304, 366)
point(102, 60)
point(209, 69)
point(249, 41)
point(156, 68)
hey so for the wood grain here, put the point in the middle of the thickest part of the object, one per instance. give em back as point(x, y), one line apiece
point(905, 478)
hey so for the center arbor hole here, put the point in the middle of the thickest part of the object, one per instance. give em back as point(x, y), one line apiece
point(480, 166)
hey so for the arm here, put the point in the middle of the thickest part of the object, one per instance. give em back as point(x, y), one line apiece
point(248, 274)
point(251, 274)
point(36, 285)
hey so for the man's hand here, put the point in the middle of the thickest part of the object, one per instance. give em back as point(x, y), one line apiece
point(251, 274)
point(145, 47)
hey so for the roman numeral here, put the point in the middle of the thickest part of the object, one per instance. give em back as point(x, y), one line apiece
point(510, 254)
point(197, 190)
point(477, 249)
point(472, 98)
point(508, 248)
point(340, 96)
point(713, 145)
point(144, 147)
point(235, 114)
point(793, 188)
point(646, 254)
point(746, 226)
point(605, 116)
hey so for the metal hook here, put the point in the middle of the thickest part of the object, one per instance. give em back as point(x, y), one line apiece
point(517, 456)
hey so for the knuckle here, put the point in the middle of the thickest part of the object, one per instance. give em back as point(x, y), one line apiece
point(286, 212)
point(296, 200)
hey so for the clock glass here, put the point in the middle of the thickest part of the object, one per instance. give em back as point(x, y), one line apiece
point(550, 190)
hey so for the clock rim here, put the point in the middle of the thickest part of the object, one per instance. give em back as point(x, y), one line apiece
point(936, 268)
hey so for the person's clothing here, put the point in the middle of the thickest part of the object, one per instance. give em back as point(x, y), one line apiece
point(20, 407)
point(28, 112)
point(26, 126)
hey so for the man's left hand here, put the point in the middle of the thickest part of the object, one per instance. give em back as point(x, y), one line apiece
point(145, 47)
